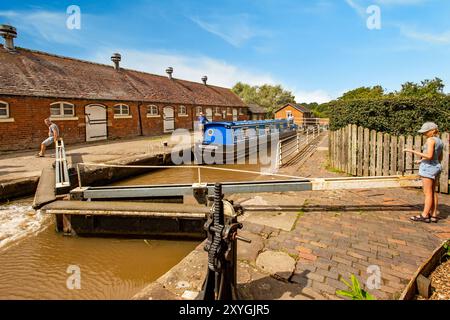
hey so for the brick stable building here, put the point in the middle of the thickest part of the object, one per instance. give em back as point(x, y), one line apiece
point(91, 101)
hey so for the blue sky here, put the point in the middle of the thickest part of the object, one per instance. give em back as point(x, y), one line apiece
point(316, 49)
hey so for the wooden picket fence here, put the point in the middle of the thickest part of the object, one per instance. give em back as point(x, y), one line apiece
point(362, 152)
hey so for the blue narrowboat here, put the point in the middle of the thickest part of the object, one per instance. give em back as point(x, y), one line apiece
point(226, 142)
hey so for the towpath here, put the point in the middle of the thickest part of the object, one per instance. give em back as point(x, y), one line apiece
point(23, 165)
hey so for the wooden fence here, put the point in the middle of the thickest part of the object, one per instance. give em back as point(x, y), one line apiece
point(362, 152)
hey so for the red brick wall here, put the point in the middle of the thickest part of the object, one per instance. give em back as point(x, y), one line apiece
point(28, 129)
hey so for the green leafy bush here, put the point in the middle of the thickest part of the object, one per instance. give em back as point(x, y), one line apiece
point(355, 291)
point(393, 115)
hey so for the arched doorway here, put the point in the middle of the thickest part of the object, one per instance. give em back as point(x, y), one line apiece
point(96, 122)
point(169, 119)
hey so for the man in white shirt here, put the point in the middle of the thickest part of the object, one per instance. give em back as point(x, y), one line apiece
point(53, 135)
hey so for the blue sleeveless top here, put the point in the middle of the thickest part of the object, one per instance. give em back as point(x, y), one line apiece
point(438, 148)
point(432, 168)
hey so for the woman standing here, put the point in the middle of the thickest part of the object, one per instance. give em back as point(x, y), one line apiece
point(429, 169)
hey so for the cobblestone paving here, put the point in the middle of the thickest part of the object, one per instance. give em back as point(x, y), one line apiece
point(336, 234)
point(342, 232)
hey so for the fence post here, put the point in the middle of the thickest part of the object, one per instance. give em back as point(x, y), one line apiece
point(401, 154)
point(445, 163)
point(393, 155)
point(359, 164)
point(379, 170)
point(373, 153)
point(409, 158)
point(366, 152)
point(417, 147)
point(349, 149)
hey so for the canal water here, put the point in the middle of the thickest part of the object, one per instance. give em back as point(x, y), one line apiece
point(35, 260)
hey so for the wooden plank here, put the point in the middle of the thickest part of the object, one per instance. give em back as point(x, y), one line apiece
point(418, 142)
point(360, 153)
point(393, 155)
point(408, 156)
point(365, 182)
point(366, 152)
point(401, 155)
point(386, 150)
point(373, 153)
point(45, 192)
point(341, 149)
point(349, 149)
point(330, 148)
point(445, 163)
point(379, 165)
point(354, 164)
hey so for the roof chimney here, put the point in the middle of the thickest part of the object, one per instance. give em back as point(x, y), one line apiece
point(169, 71)
point(204, 79)
point(116, 58)
point(8, 33)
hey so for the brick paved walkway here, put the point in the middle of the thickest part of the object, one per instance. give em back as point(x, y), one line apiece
point(335, 234)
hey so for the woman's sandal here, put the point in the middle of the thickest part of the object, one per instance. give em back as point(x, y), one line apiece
point(419, 218)
point(434, 219)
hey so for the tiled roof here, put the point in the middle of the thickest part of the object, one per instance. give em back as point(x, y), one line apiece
point(296, 106)
point(256, 108)
point(33, 73)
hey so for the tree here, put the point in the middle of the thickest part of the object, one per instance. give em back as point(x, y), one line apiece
point(363, 93)
point(426, 89)
point(267, 96)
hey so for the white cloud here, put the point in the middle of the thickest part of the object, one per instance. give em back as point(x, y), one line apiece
point(234, 29)
point(319, 96)
point(435, 38)
point(185, 67)
point(400, 2)
point(49, 25)
point(359, 9)
point(192, 68)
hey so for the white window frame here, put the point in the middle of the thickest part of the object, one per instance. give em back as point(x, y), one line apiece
point(6, 105)
point(62, 115)
point(217, 111)
point(198, 110)
point(184, 113)
point(150, 114)
point(121, 115)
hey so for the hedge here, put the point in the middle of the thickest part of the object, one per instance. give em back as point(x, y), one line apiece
point(392, 115)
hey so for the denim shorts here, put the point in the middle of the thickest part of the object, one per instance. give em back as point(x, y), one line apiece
point(48, 141)
point(429, 169)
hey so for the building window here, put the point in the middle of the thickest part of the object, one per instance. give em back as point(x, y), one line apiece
point(121, 110)
point(182, 111)
point(62, 110)
point(4, 110)
point(152, 111)
point(228, 110)
point(198, 110)
point(241, 111)
point(217, 111)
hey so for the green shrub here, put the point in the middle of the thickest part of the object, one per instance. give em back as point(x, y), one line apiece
point(392, 115)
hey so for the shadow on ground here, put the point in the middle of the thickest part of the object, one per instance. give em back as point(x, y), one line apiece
point(269, 288)
point(443, 208)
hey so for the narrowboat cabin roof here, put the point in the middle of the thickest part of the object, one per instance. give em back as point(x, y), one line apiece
point(234, 124)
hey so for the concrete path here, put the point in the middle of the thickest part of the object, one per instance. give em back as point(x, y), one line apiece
point(316, 238)
point(20, 165)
